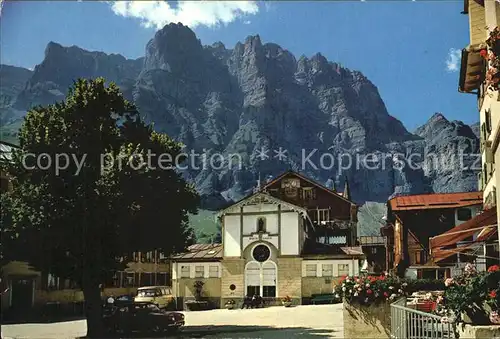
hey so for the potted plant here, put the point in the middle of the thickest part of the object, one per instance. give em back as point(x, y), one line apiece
point(287, 301)
point(230, 304)
point(493, 300)
point(197, 304)
point(198, 287)
point(473, 297)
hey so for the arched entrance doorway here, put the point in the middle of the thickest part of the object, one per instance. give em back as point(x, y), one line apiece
point(261, 273)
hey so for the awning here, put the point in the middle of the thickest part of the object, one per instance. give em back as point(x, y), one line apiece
point(353, 250)
point(472, 69)
point(486, 219)
point(485, 235)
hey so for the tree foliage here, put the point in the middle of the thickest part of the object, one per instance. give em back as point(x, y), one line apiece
point(77, 222)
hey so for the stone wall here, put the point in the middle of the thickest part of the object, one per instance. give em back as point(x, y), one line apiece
point(290, 278)
point(372, 321)
point(233, 273)
point(185, 287)
point(486, 332)
point(318, 285)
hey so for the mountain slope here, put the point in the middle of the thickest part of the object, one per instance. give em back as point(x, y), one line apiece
point(241, 106)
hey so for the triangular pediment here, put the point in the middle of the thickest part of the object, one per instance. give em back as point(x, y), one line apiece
point(262, 198)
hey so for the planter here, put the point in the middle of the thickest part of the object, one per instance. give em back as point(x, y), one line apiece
point(287, 303)
point(367, 321)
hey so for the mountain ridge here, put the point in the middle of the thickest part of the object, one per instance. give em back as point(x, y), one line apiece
point(259, 96)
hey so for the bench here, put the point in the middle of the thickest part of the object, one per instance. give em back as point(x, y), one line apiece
point(323, 298)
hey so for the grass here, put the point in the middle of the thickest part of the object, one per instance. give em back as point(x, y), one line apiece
point(205, 225)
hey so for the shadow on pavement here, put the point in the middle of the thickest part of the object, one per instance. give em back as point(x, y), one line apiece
point(39, 319)
point(248, 332)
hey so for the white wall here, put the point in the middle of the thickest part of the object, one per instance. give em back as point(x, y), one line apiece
point(290, 234)
point(177, 269)
point(353, 266)
point(232, 236)
point(250, 223)
point(250, 240)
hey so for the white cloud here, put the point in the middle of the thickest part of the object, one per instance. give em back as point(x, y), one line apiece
point(453, 61)
point(191, 13)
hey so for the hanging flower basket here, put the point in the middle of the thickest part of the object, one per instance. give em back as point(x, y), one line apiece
point(492, 56)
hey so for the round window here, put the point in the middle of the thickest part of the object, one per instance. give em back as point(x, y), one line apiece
point(261, 253)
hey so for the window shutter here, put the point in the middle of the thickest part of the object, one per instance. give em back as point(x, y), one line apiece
point(488, 121)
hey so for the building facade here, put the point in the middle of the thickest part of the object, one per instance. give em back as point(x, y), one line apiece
point(413, 220)
point(476, 75)
point(292, 237)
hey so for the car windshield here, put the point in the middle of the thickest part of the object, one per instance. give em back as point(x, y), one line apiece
point(147, 293)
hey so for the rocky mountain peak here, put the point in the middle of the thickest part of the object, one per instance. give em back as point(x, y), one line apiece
point(258, 96)
point(172, 48)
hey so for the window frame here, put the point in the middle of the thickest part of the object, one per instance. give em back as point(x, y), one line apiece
point(197, 271)
point(308, 266)
point(323, 270)
point(464, 209)
point(342, 272)
point(188, 271)
point(210, 271)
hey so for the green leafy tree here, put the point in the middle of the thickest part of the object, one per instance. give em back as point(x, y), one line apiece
point(83, 222)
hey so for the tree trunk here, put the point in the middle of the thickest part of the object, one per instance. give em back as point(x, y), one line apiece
point(93, 310)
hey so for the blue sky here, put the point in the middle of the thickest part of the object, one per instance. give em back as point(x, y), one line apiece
point(407, 49)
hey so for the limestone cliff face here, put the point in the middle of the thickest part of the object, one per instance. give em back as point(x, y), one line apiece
point(258, 97)
point(447, 159)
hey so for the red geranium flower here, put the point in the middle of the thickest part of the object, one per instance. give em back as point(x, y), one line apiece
point(368, 291)
point(484, 53)
point(494, 268)
point(493, 294)
point(386, 294)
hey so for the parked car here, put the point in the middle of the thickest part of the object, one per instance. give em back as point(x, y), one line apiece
point(161, 296)
point(142, 317)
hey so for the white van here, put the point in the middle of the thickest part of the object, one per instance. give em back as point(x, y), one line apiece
point(159, 295)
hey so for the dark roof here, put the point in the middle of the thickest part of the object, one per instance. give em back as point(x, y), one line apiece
point(312, 182)
point(435, 201)
point(200, 252)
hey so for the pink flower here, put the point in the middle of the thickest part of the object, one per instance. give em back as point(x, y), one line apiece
point(448, 282)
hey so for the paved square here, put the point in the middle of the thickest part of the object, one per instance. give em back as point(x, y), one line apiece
point(321, 321)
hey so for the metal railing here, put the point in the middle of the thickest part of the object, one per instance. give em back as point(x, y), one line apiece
point(408, 323)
